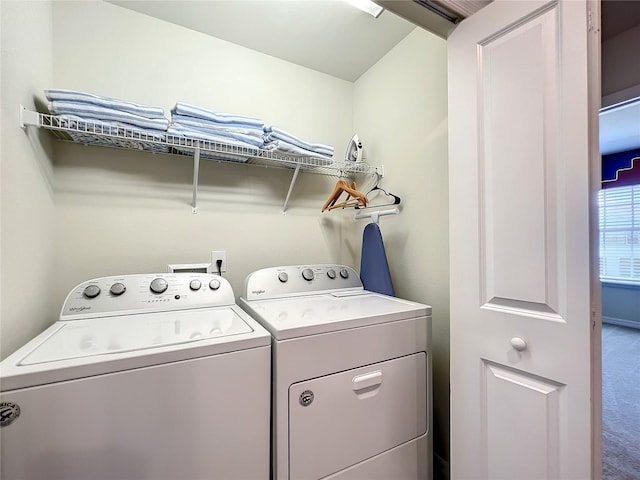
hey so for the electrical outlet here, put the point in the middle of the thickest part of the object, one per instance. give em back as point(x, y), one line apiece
point(218, 255)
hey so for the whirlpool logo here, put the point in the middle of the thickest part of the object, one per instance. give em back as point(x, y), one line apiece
point(79, 309)
point(9, 411)
point(257, 292)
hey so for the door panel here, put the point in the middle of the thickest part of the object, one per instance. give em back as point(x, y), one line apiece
point(536, 431)
point(519, 178)
point(519, 74)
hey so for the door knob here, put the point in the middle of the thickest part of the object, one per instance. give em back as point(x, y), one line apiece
point(518, 344)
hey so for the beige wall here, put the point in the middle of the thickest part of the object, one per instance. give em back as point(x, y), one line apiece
point(27, 278)
point(401, 116)
point(125, 212)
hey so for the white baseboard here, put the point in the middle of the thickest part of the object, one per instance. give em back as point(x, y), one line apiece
point(440, 468)
point(623, 322)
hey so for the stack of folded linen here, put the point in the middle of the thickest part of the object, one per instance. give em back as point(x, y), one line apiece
point(280, 141)
point(125, 124)
point(236, 137)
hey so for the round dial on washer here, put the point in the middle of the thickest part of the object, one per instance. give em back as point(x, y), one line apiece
point(344, 273)
point(91, 291)
point(158, 285)
point(307, 274)
point(331, 273)
point(195, 284)
point(214, 284)
point(117, 289)
point(283, 277)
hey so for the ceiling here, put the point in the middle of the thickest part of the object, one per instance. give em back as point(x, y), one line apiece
point(329, 36)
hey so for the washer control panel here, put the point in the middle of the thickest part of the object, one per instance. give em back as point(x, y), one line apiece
point(127, 294)
point(295, 280)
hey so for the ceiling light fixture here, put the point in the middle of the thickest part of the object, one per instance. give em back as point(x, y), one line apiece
point(367, 6)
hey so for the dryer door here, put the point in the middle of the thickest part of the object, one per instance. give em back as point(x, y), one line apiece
point(339, 420)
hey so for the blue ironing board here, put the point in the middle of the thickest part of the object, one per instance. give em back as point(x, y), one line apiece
point(374, 269)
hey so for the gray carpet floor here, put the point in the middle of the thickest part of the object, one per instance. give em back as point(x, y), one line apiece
point(620, 402)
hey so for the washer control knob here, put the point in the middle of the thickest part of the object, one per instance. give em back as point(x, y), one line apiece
point(195, 285)
point(158, 285)
point(117, 289)
point(331, 273)
point(214, 284)
point(344, 273)
point(91, 291)
point(283, 277)
point(307, 274)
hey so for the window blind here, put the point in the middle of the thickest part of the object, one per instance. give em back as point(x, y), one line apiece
point(619, 212)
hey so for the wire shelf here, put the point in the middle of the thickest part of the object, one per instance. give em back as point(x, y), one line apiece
point(87, 132)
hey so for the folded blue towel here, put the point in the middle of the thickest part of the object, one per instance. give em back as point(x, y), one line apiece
point(93, 125)
point(106, 102)
point(86, 110)
point(274, 133)
point(217, 136)
point(204, 113)
point(208, 125)
point(227, 157)
point(112, 134)
point(288, 149)
point(181, 132)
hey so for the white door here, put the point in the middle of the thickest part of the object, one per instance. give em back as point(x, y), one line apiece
point(521, 98)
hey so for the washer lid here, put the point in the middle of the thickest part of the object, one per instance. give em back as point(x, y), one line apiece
point(112, 335)
point(309, 315)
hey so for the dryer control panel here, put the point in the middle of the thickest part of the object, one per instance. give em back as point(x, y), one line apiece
point(143, 293)
point(293, 280)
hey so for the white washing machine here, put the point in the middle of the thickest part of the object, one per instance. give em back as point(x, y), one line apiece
point(351, 376)
point(156, 377)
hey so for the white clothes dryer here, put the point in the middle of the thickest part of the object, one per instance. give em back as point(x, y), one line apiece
point(351, 375)
point(143, 377)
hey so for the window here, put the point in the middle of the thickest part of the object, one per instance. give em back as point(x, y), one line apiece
point(620, 234)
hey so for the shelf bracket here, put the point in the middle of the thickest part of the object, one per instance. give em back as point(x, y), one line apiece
point(196, 169)
point(28, 117)
point(293, 181)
